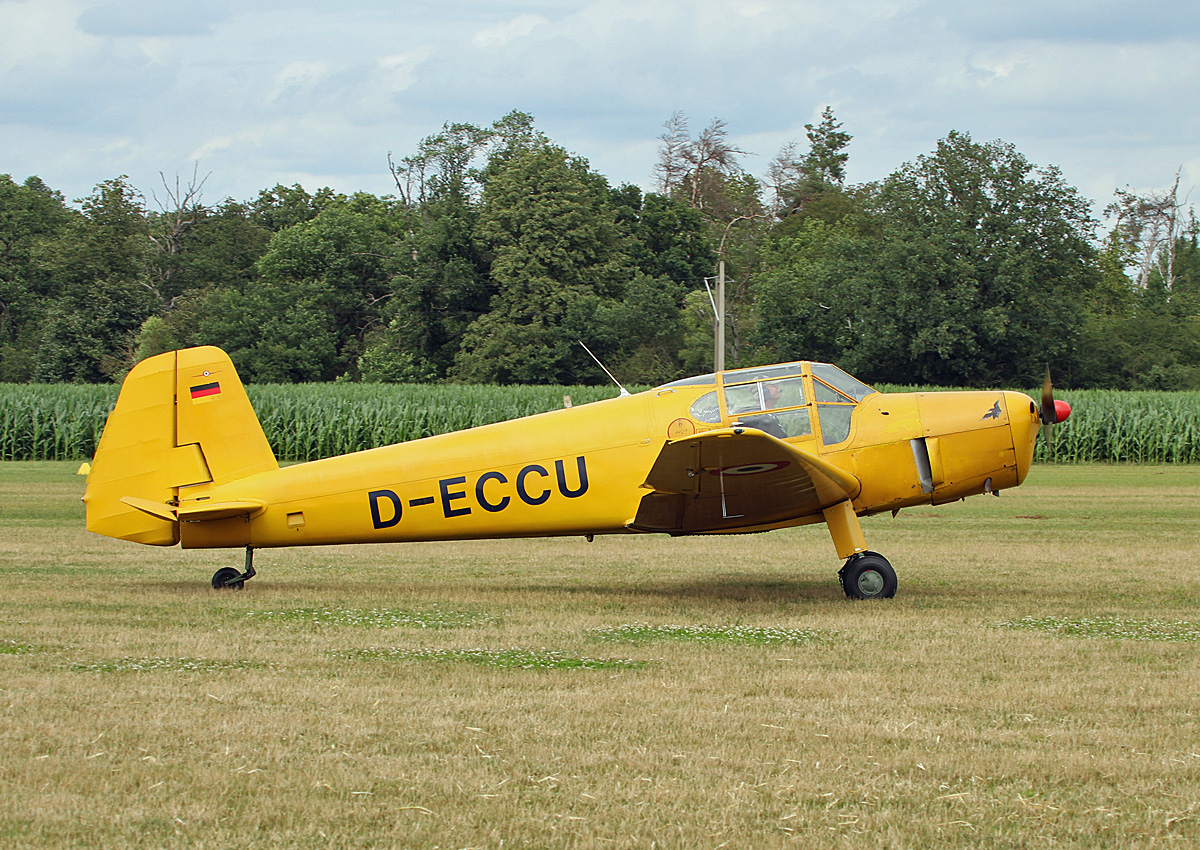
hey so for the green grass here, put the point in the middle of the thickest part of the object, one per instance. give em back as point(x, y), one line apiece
point(1111, 627)
point(375, 618)
point(735, 635)
point(172, 665)
point(1033, 684)
point(12, 647)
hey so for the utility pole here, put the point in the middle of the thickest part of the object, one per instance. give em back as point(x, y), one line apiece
point(719, 306)
point(719, 334)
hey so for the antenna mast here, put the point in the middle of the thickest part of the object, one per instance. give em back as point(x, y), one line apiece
point(605, 368)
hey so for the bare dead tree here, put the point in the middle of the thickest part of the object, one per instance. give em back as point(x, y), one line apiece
point(783, 174)
point(400, 177)
point(712, 159)
point(1150, 226)
point(672, 164)
point(178, 211)
point(698, 169)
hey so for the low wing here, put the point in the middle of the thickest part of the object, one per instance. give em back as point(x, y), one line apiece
point(737, 478)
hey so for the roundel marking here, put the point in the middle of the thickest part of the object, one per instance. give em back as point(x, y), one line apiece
point(751, 468)
point(680, 428)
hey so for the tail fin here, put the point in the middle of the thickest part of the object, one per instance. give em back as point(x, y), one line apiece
point(182, 419)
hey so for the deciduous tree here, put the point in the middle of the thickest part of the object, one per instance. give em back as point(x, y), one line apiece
point(800, 181)
point(101, 291)
point(556, 254)
point(970, 267)
point(30, 213)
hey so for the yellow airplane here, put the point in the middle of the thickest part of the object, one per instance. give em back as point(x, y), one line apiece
point(184, 460)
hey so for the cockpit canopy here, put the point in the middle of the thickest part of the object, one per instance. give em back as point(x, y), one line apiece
point(780, 399)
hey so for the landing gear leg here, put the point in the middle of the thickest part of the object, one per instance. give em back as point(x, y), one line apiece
point(865, 575)
point(868, 575)
point(231, 577)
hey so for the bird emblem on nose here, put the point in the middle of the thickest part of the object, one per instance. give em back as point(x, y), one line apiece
point(994, 413)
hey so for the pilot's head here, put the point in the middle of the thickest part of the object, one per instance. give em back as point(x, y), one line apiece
point(771, 393)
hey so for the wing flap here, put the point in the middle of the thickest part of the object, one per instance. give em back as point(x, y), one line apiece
point(737, 478)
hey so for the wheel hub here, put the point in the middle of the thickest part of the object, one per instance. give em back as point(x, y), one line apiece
point(870, 582)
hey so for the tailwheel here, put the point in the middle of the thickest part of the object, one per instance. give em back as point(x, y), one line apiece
point(232, 578)
point(228, 577)
point(868, 575)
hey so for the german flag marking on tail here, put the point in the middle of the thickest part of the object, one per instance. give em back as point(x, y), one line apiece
point(206, 391)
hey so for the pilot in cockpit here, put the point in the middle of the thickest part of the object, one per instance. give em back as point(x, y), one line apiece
point(771, 394)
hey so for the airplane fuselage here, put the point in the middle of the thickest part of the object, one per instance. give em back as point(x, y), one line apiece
point(184, 460)
point(582, 471)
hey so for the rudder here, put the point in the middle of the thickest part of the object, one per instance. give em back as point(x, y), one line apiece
point(182, 419)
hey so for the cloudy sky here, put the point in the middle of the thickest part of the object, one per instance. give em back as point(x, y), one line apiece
point(260, 92)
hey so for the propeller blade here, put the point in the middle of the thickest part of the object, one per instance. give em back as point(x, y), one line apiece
point(1052, 411)
point(1049, 409)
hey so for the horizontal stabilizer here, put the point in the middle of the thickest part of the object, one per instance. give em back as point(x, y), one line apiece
point(197, 512)
point(155, 509)
point(205, 511)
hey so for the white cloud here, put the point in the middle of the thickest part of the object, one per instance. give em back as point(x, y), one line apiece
point(263, 89)
point(240, 143)
point(398, 72)
point(40, 34)
point(298, 77)
point(159, 50)
point(141, 18)
point(503, 34)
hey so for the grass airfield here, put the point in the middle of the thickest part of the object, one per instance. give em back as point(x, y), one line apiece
point(1034, 684)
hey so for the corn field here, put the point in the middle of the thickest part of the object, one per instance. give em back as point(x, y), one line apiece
point(307, 422)
point(1127, 427)
point(301, 421)
point(310, 421)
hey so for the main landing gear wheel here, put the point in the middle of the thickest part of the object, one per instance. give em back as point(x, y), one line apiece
point(868, 575)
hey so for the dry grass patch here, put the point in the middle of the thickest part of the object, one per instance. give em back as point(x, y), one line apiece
point(441, 695)
point(500, 659)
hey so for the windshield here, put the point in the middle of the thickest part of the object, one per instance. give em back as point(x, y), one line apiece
point(840, 381)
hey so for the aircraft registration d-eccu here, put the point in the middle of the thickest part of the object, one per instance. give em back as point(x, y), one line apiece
point(183, 460)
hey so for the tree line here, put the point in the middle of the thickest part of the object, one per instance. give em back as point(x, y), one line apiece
point(500, 251)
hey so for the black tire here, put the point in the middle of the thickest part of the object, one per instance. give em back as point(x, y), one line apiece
point(868, 576)
point(225, 578)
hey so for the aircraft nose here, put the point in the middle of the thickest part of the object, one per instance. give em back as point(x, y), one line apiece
point(1023, 421)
